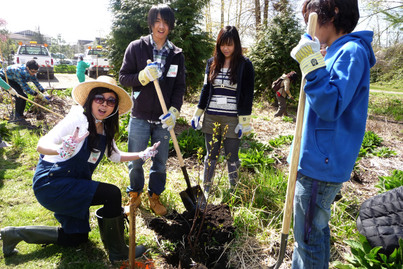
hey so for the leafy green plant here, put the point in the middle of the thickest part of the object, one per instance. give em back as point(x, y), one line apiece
point(189, 142)
point(254, 159)
point(182, 121)
point(370, 142)
point(387, 183)
point(4, 132)
point(384, 152)
point(63, 68)
point(364, 256)
point(123, 133)
point(281, 140)
point(287, 119)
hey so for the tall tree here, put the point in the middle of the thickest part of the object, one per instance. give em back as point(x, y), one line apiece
point(257, 14)
point(270, 54)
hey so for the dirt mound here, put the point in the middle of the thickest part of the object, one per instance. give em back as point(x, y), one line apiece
point(201, 242)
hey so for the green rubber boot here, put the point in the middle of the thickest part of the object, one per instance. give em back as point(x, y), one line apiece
point(112, 235)
point(11, 236)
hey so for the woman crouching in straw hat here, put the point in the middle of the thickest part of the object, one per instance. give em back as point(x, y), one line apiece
point(62, 183)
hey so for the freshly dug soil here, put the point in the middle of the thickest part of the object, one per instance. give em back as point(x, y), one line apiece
point(201, 243)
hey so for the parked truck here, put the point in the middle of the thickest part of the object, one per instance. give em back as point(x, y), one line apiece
point(39, 53)
point(97, 57)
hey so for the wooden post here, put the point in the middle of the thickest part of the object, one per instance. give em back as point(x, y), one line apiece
point(132, 235)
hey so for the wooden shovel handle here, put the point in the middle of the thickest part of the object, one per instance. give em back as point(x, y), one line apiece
point(172, 132)
point(293, 169)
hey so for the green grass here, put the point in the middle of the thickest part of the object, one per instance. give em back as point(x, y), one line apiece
point(256, 203)
point(389, 87)
point(384, 104)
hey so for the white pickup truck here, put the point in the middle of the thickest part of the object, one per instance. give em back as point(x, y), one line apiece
point(39, 53)
point(97, 57)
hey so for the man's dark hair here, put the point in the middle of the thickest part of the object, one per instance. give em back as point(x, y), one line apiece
point(32, 65)
point(344, 13)
point(166, 13)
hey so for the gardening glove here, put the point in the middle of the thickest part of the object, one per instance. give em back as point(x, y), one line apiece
point(307, 53)
point(196, 119)
point(149, 152)
point(69, 144)
point(243, 126)
point(149, 73)
point(13, 92)
point(44, 97)
point(168, 120)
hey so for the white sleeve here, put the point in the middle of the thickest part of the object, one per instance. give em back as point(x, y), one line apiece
point(64, 128)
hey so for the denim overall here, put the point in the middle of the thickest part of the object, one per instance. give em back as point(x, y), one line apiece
point(66, 188)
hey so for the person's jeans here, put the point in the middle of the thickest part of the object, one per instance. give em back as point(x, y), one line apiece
point(315, 252)
point(231, 148)
point(140, 132)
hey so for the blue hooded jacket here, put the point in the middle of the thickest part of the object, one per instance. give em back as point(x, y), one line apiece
point(336, 109)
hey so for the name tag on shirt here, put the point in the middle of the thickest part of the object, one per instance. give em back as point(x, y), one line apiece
point(173, 71)
point(222, 101)
point(94, 157)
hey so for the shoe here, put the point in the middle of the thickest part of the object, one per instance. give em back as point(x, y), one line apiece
point(112, 236)
point(134, 197)
point(156, 205)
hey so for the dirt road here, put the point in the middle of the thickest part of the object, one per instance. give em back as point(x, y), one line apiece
point(61, 81)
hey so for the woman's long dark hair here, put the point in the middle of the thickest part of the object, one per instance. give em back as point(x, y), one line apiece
point(111, 124)
point(227, 36)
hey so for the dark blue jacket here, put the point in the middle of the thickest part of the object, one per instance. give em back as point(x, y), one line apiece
point(146, 105)
point(244, 90)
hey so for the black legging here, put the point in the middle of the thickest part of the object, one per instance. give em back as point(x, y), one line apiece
point(110, 196)
point(106, 194)
point(19, 102)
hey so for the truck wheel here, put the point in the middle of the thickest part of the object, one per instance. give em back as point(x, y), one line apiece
point(51, 75)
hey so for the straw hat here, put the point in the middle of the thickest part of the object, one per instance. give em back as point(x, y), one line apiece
point(81, 91)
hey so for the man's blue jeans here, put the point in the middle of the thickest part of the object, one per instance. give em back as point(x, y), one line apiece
point(140, 132)
point(315, 252)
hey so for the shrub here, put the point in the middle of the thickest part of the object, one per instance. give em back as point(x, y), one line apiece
point(387, 183)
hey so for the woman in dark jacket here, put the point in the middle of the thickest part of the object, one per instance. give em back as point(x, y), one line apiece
point(226, 99)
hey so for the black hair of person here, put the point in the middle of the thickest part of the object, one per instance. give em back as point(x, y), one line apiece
point(32, 65)
point(166, 13)
point(111, 124)
point(227, 36)
point(344, 14)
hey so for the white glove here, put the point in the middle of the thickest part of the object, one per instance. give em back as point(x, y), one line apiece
point(168, 120)
point(149, 73)
point(149, 152)
point(13, 92)
point(307, 53)
point(43, 96)
point(305, 47)
point(243, 126)
point(69, 144)
point(196, 119)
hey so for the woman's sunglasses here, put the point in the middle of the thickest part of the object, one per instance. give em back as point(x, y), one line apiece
point(100, 99)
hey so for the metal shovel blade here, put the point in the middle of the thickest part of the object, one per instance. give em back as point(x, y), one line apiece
point(192, 198)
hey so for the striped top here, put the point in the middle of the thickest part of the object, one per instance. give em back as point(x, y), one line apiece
point(223, 100)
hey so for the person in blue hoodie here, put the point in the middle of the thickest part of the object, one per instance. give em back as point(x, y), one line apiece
point(337, 93)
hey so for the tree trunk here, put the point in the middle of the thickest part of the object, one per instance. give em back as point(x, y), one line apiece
point(257, 14)
point(222, 14)
point(265, 12)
